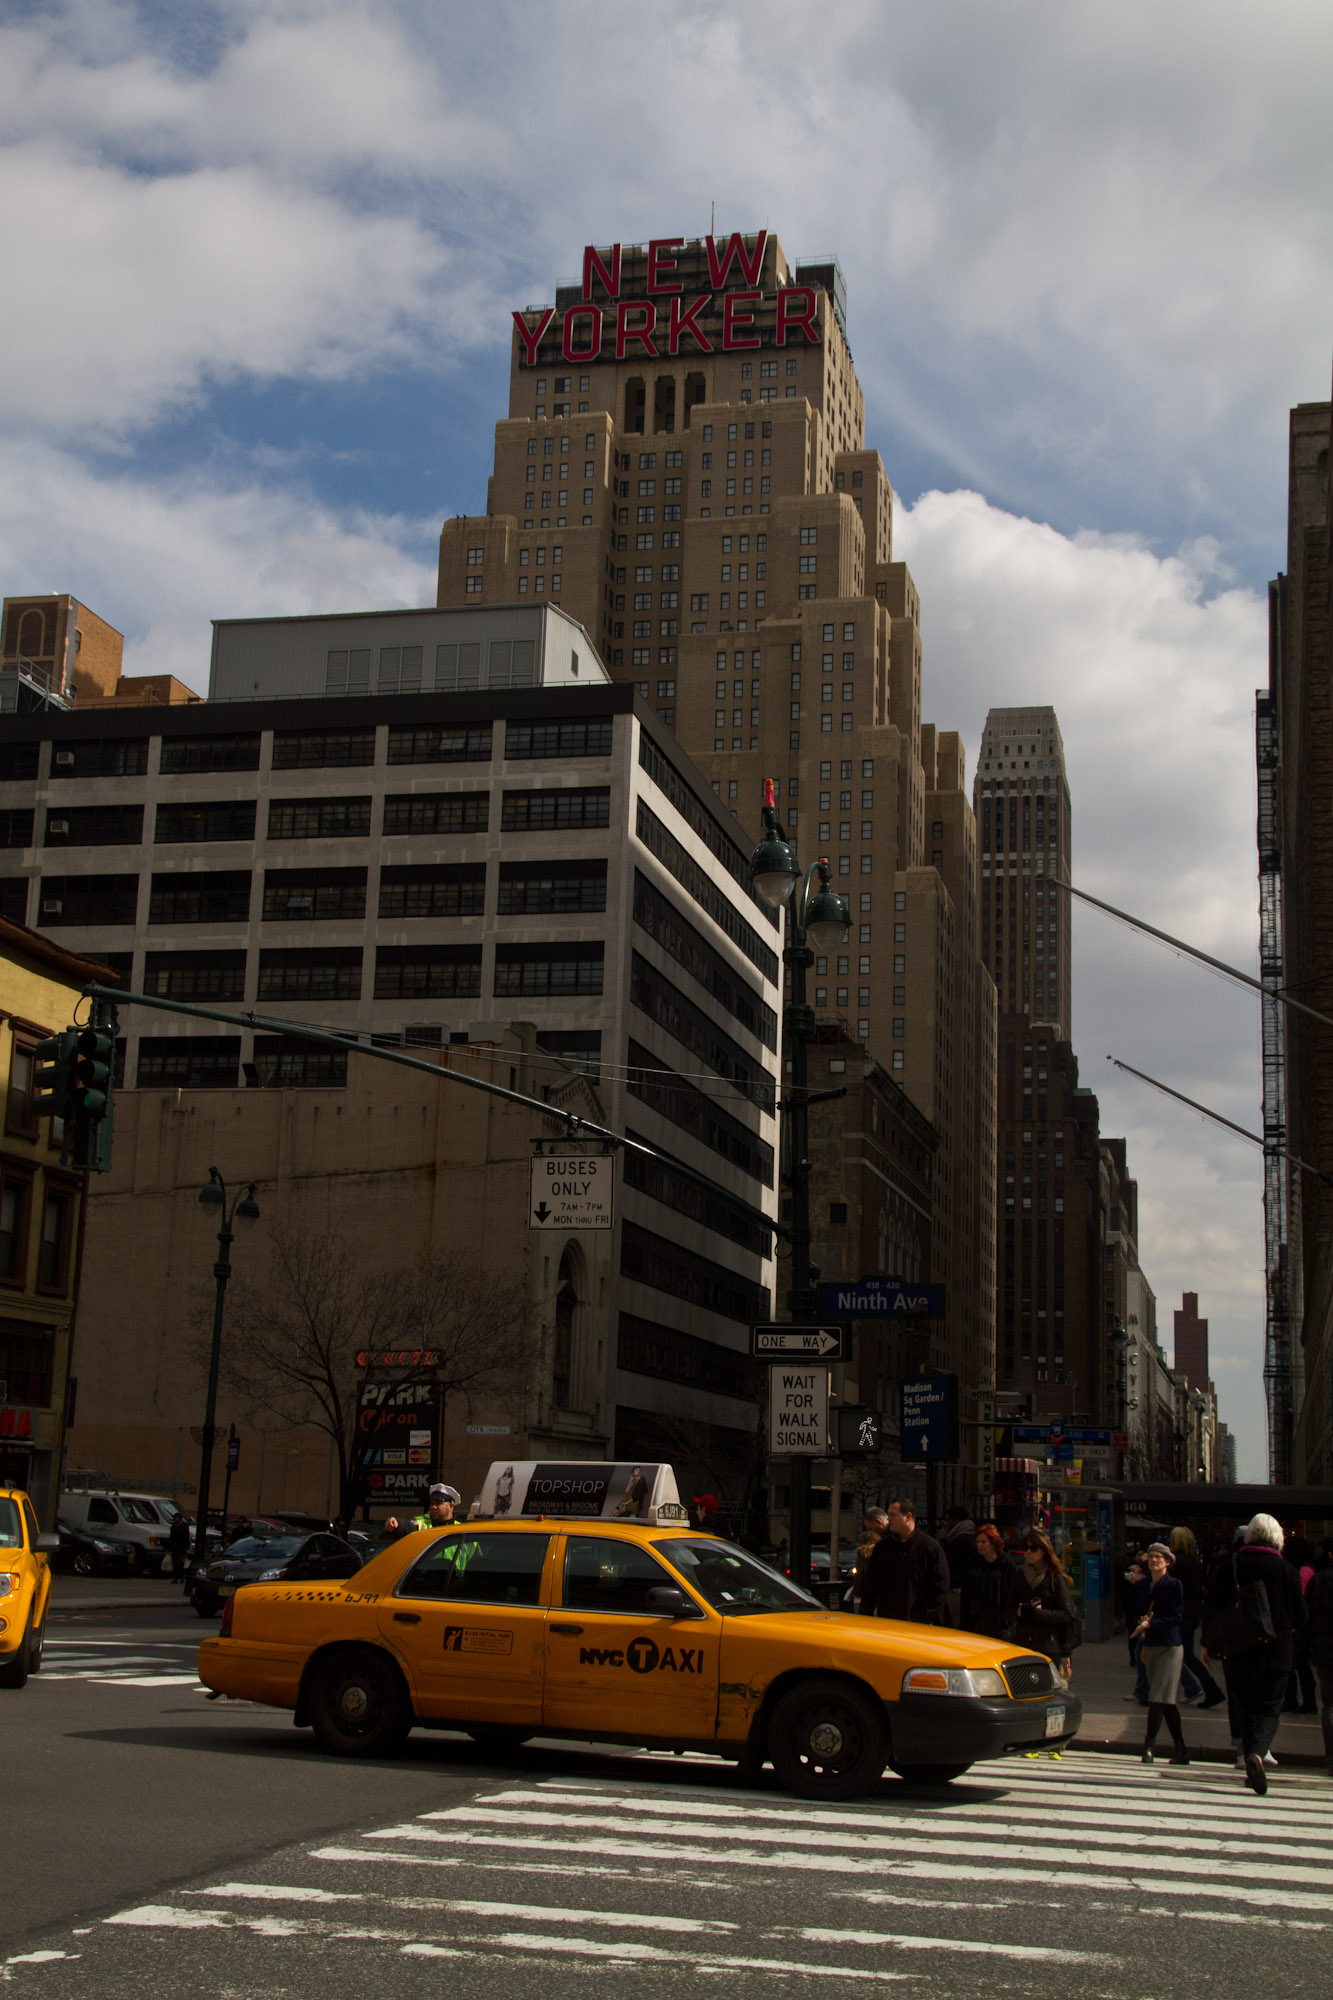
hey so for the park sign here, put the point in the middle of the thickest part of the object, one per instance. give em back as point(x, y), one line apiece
point(884, 1298)
point(658, 319)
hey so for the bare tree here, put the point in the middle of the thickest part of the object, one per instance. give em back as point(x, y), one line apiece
point(292, 1343)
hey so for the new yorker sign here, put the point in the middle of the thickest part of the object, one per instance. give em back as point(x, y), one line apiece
point(659, 318)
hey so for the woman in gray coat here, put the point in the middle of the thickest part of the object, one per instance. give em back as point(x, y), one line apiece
point(1163, 1653)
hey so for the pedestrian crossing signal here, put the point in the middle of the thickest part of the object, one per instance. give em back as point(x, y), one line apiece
point(860, 1431)
point(92, 1109)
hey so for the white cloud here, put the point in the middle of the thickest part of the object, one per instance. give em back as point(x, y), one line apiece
point(160, 559)
point(1153, 684)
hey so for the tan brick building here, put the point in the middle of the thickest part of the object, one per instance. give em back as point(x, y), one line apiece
point(697, 491)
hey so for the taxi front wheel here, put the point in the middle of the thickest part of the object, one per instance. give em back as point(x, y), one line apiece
point(358, 1707)
point(827, 1740)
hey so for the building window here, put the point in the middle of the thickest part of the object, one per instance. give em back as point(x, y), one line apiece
point(436, 812)
point(581, 736)
point(221, 819)
point(316, 749)
point(53, 1249)
point(548, 969)
point(554, 888)
point(189, 1062)
point(195, 975)
point(318, 819)
point(185, 754)
point(281, 1062)
point(311, 972)
point(221, 897)
point(433, 889)
point(428, 972)
point(552, 809)
point(94, 826)
point(475, 558)
point(15, 1200)
point(305, 895)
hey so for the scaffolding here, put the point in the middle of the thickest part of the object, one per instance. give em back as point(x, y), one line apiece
point(1281, 1390)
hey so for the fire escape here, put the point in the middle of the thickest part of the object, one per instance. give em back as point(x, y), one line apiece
point(1280, 1385)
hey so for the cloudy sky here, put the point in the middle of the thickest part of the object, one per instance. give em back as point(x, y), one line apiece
point(258, 261)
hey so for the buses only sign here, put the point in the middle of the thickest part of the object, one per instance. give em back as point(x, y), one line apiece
point(572, 1191)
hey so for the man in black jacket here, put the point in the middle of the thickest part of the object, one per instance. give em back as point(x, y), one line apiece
point(1257, 1675)
point(1319, 1608)
point(908, 1572)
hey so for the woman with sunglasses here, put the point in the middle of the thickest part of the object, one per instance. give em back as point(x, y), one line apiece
point(1041, 1604)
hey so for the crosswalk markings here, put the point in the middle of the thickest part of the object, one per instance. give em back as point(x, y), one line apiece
point(724, 1867)
point(113, 1662)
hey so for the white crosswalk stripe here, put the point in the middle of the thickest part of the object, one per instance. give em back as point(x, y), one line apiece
point(653, 1871)
point(113, 1661)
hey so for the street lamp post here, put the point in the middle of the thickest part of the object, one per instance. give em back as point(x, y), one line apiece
point(815, 921)
point(244, 1208)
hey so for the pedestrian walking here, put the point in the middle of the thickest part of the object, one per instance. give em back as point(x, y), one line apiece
point(178, 1545)
point(1300, 1683)
point(1319, 1612)
point(1187, 1569)
point(908, 1573)
point(873, 1523)
point(1162, 1652)
point(960, 1534)
point(984, 1596)
point(1040, 1603)
point(1252, 1609)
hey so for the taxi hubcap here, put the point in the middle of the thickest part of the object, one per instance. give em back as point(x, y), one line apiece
point(355, 1704)
point(826, 1739)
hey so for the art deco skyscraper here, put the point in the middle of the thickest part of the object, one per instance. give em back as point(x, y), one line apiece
point(684, 469)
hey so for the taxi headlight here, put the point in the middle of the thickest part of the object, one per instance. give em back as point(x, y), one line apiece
point(975, 1681)
point(7, 1583)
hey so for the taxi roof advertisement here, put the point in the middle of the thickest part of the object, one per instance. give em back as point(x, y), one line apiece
point(581, 1489)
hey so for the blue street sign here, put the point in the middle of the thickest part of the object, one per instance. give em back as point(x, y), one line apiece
point(1032, 1433)
point(1057, 1430)
point(883, 1298)
point(929, 1417)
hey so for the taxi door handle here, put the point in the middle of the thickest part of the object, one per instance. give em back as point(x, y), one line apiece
point(572, 1630)
point(407, 1617)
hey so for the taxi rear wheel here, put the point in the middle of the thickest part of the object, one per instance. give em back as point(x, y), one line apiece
point(929, 1774)
point(826, 1740)
point(357, 1706)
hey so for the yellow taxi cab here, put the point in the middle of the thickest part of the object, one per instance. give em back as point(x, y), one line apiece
point(25, 1587)
point(628, 1629)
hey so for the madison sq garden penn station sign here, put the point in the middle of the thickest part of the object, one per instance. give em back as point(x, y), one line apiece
point(660, 318)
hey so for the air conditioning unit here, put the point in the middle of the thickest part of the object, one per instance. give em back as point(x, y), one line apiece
point(57, 826)
point(52, 907)
point(63, 757)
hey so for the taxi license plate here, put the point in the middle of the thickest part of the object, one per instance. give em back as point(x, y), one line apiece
point(1055, 1721)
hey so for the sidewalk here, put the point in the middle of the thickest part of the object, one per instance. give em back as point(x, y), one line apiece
point(114, 1593)
point(1103, 1676)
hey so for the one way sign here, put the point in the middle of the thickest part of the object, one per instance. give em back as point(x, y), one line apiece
point(777, 1343)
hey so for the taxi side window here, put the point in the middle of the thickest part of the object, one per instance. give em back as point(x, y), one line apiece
point(602, 1575)
point(31, 1519)
point(480, 1569)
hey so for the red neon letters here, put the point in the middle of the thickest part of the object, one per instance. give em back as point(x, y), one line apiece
point(642, 327)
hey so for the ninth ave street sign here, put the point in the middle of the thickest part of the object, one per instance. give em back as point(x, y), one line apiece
point(780, 1343)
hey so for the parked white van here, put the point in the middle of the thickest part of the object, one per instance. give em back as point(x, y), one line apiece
point(143, 1520)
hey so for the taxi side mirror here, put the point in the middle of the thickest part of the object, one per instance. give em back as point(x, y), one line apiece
point(47, 1545)
point(665, 1601)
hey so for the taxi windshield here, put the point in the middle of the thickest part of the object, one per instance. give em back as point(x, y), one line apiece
point(11, 1528)
point(733, 1582)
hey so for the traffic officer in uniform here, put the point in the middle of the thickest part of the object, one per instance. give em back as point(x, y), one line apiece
point(440, 1502)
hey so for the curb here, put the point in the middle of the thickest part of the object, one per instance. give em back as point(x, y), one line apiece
point(1290, 1760)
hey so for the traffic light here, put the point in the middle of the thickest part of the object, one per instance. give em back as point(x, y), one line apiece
point(860, 1431)
point(91, 1145)
point(53, 1075)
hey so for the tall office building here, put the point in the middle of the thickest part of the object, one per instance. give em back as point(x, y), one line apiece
point(1191, 1348)
point(683, 468)
point(1050, 1201)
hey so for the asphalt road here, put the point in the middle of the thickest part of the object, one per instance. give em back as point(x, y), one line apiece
point(163, 1847)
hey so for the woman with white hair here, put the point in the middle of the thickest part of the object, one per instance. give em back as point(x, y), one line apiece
point(1252, 1609)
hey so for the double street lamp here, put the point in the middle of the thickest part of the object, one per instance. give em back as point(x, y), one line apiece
point(818, 920)
point(244, 1209)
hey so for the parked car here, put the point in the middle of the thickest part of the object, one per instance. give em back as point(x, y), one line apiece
point(140, 1520)
point(92, 1555)
point(270, 1559)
